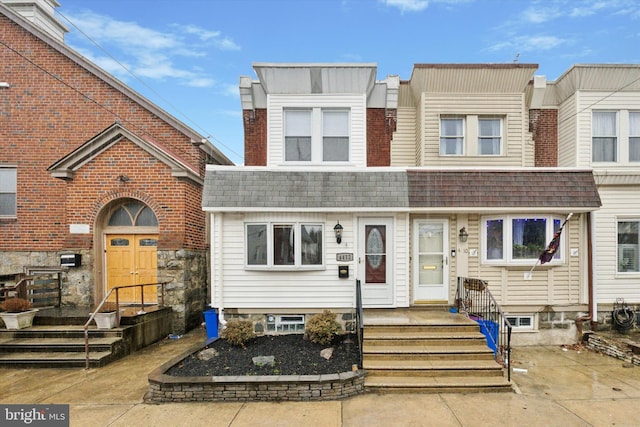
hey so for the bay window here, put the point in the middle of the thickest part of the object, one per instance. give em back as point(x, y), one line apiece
point(284, 245)
point(316, 135)
point(8, 192)
point(518, 239)
point(604, 136)
point(628, 249)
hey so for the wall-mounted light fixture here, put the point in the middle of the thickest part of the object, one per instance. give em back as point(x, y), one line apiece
point(5, 85)
point(338, 230)
point(463, 235)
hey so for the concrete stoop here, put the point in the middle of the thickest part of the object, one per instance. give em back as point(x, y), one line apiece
point(434, 356)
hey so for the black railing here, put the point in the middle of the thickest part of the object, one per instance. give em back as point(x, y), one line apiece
point(474, 299)
point(359, 320)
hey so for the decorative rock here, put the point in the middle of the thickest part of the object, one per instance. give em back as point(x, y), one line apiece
point(264, 360)
point(208, 354)
point(327, 353)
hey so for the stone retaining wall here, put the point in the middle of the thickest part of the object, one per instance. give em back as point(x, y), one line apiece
point(167, 388)
point(614, 348)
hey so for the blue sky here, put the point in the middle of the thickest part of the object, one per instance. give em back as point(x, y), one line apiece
point(187, 56)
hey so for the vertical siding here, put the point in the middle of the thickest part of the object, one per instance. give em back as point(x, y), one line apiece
point(617, 203)
point(275, 132)
point(567, 136)
point(403, 145)
point(511, 106)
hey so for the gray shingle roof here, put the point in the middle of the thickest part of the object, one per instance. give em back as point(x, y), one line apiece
point(238, 188)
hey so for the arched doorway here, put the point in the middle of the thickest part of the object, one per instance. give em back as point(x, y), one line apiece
point(130, 247)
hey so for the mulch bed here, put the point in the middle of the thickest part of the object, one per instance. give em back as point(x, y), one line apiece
point(294, 355)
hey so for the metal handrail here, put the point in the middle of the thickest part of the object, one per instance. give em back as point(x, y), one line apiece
point(359, 321)
point(104, 300)
point(474, 299)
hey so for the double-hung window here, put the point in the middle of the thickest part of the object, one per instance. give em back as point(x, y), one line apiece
point(628, 248)
point(316, 135)
point(634, 136)
point(604, 136)
point(8, 192)
point(451, 136)
point(489, 136)
point(284, 245)
point(518, 239)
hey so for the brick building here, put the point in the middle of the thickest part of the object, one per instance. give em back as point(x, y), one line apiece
point(90, 167)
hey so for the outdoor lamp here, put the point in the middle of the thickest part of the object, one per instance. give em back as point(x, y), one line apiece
point(463, 234)
point(338, 230)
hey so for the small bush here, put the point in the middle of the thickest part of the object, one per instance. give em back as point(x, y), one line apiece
point(238, 332)
point(15, 305)
point(322, 328)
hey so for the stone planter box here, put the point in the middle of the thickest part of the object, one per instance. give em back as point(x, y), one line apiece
point(21, 320)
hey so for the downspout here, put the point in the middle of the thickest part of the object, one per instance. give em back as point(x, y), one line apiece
point(216, 251)
point(593, 314)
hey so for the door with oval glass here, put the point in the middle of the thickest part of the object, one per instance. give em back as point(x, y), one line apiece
point(430, 262)
point(375, 258)
point(132, 260)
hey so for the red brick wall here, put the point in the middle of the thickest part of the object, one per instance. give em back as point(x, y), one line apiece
point(544, 127)
point(381, 124)
point(255, 137)
point(46, 114)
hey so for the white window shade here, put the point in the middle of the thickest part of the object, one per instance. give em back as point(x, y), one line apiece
point(297, 123)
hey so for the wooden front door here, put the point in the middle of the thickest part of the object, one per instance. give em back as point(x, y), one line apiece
point(132, 260)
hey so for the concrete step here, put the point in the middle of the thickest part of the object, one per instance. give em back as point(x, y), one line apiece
point(449, 384)
point(434, 368)
point(425, 351)
point(450, 340)
point(59, 331)
point(34, 345)
point(54, 359)
point(424, 329)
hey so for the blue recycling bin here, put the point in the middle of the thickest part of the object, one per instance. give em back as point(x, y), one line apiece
point(211, 322)
point(489, 329)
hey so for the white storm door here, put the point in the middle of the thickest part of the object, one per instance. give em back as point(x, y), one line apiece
point(375, 261)
point(430, 261)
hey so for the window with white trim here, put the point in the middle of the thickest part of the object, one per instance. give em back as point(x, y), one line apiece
point(284, 245)
point(471, 135)
point(604, 136)
point(317, 135)
point(489, 136)
point(8, 192)
point(628, 246)
point(521, 322)
point(634, 136)
point(515, 239)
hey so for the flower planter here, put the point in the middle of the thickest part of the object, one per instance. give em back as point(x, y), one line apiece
point(105, 320)
point(20, 320)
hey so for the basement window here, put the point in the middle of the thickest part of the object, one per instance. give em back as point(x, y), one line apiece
point(521, 322)
point(285, 323)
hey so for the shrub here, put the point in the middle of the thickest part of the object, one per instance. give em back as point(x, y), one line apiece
point(322, 328)
point(15, 305)
point(238, 332)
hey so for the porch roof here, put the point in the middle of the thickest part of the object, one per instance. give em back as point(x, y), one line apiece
point(392, 189)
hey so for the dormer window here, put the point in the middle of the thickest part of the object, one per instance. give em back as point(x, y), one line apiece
point(316, 135)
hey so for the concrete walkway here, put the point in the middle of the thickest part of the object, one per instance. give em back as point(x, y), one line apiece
point(559, 388)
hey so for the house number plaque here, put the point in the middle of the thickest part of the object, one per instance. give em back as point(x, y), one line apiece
point(344, 257)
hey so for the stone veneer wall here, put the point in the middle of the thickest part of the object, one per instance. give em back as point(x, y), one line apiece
point(615, 348)
point(185, 271)
point(346, 320)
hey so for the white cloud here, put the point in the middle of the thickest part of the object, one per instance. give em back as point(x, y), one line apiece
point(539, 15)
point(528, 43)
point(408, 5)
point(148, 52)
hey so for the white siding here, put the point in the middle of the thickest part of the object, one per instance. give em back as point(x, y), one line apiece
point(589, 101)
point(550, 285)
point(617, 203)
point(275, 134)
point(567, 136)
point(236, 287)
point(403, 145)
point(517, 146)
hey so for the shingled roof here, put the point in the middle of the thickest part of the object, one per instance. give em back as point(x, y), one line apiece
point(238, 189)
